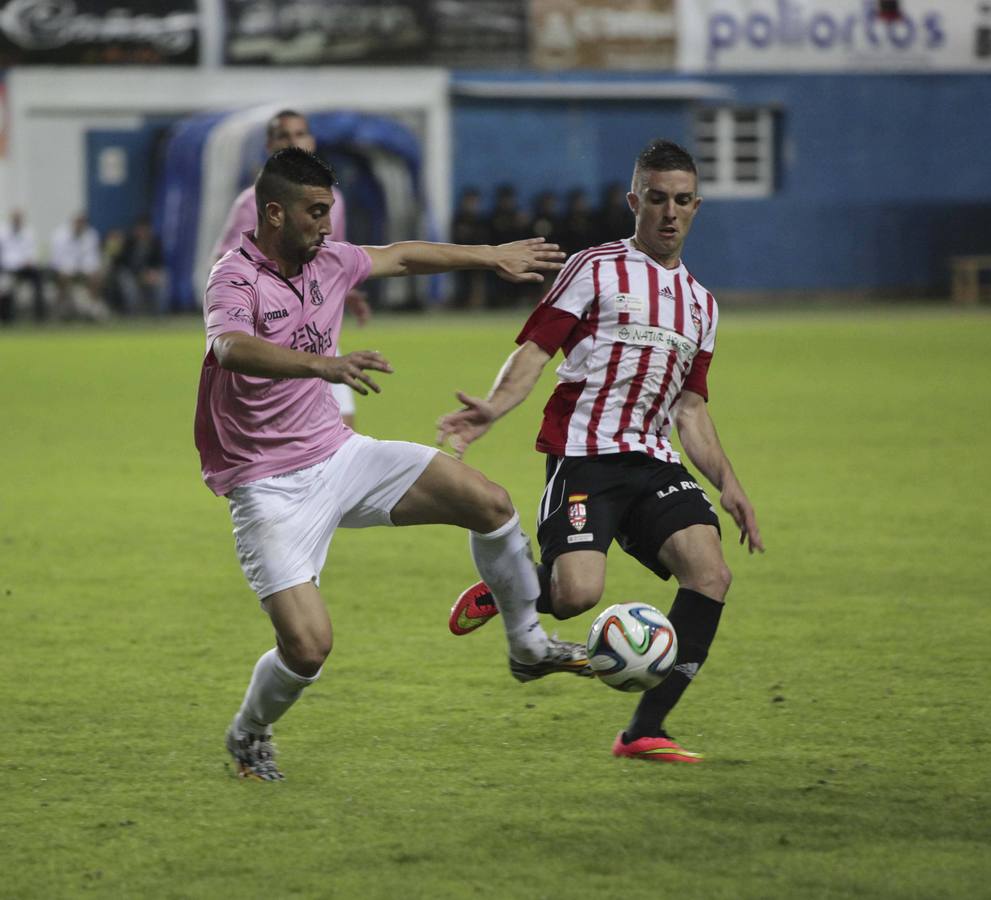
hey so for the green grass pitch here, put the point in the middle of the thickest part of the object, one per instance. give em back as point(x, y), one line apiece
point(843, 710)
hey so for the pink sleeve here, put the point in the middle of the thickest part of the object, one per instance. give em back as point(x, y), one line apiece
point(229, 306)
point(355, 262)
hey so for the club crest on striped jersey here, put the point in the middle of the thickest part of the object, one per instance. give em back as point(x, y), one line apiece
point(697, 318)
point(316, 298)
point(628, 303)
point(577, 511)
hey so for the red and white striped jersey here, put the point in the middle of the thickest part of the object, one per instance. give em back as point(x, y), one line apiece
point(634, 336)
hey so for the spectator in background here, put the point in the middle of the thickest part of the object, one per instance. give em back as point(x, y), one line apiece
point(113, 247)
point(615, 221)
point(509, 222)
point(19, 266)
point(546, 222)
point(76, 262)
point(578, 228)
point(469, 227)
point(136, 276)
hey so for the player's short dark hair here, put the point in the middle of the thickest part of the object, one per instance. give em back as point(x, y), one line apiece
point(286, 171)
point(273, 123)
point(664, 156)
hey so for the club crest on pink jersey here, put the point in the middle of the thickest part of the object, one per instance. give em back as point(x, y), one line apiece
point(316, 298)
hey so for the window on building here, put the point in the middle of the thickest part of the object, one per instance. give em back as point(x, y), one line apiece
point(734, 151)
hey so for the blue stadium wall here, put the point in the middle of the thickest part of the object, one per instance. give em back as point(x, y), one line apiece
point(880, 178)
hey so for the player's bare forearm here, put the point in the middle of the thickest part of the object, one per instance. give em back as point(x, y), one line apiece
point(700, 440)
point(513, 385)
point(426, 258)
point(518, 261)
point(698, 436)
point(517, 378)
point(249, 355)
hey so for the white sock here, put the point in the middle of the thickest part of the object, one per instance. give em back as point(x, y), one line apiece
point(273, 689)
point(503, 559)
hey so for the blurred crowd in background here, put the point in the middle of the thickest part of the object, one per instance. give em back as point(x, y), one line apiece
point(574, 221)
point(86, 278)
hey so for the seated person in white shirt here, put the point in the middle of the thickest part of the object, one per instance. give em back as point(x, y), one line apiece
point(19, 267)
point(75, 259)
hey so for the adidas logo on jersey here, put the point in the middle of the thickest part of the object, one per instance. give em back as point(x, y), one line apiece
point(666, 291)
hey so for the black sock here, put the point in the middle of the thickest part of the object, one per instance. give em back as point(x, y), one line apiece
point(544, 600)
point(695, 618)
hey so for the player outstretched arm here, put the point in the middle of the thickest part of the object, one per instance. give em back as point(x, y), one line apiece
point(519, 261)
point(512, 386)
point(250, 355)
point(698, 436)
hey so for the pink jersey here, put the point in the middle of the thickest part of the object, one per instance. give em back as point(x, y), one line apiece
point(249, 427)
point(634, 336)
point(244, 216)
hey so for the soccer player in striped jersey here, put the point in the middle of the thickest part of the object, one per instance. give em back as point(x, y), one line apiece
point(637, 333)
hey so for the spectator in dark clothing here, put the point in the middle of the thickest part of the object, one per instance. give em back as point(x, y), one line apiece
point(469, 227)
point(138, 273)
point(578, 229)
point(546, 221)
point(508, 222)
point(615, 220)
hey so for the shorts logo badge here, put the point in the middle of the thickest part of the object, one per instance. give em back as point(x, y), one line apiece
point(316, 298)
point(577, 512)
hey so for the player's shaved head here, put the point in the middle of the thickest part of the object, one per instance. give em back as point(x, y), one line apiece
point(286, 172)
point(662, 156)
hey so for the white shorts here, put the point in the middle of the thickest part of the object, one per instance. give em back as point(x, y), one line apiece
point(344, 397)
point(283, 525)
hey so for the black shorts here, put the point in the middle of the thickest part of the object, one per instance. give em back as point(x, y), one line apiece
point(632, 497)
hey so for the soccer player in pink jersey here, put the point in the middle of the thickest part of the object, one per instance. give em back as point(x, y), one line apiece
point(637, 332)
point(288, 128)
point(271, 439)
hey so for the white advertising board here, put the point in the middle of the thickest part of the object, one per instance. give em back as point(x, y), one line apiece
point(833, 35)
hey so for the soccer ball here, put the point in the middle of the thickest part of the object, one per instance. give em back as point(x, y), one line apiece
point(632, 646)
